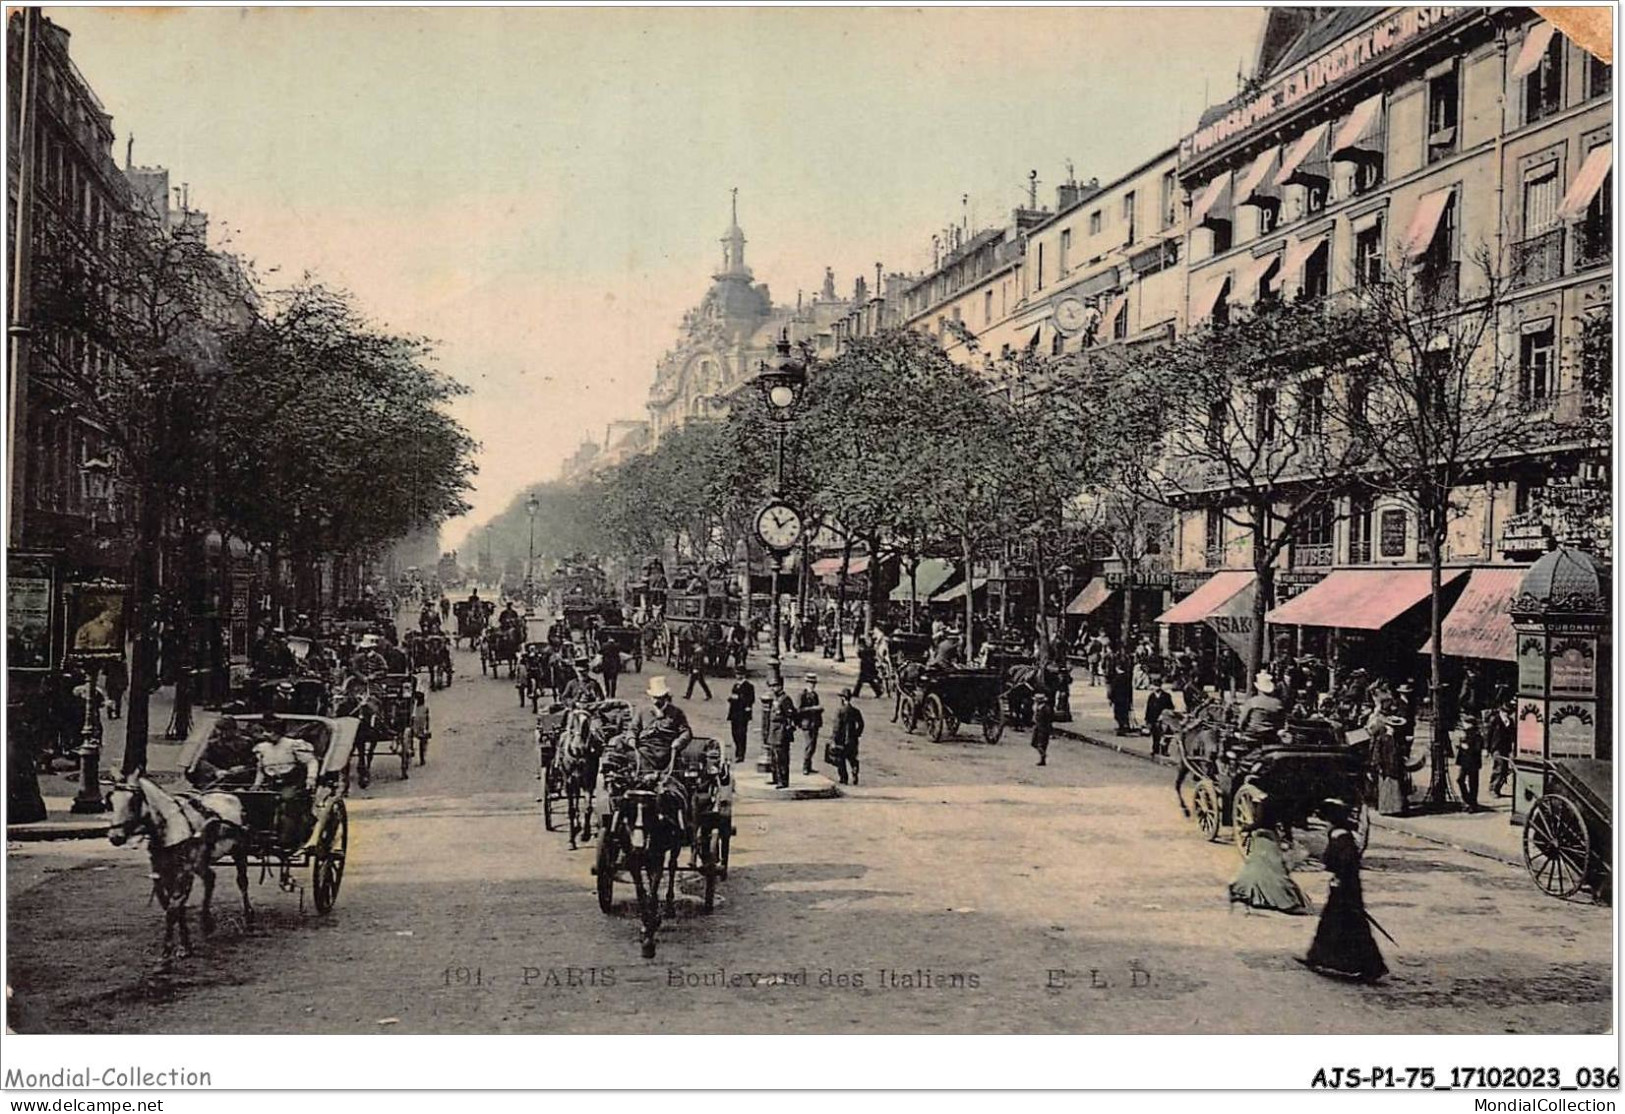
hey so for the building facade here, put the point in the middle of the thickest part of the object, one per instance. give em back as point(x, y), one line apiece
point(1470, 147)
point(727, 336)
point(63, 493)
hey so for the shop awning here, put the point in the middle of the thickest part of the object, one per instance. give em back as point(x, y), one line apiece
point(932, 574)
point(1299, 153)
point(1425, 221)
point(1586, 183)
point(1359, 599)
point(1210, 197)
point(1534, 48)
point(1206, 297)
point(1093, 595)
point(831, 566)
point(957, 592)
point(1247, 185)
point(1480, 626)
point(1360, 130)
point(1218, 590)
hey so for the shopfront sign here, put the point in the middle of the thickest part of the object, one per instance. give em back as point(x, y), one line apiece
point(1140, 578)
point(1344, 61)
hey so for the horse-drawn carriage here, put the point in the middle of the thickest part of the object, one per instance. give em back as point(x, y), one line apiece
point(628, 640)
point(283, 831)
point(430, 651)
point(1283, 777)
point(1568, 837)
point(945, 698)
point(500, 646)
point(539, 664)
point(383, 706)
point(569, 745)
point(1024, 681)
point(302, 695)
point(902, 647)
point(646, 826)
point(473, 616)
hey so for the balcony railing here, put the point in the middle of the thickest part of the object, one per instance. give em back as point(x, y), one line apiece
point(1439, 284)
point(1593, 244)
point(1538, 259)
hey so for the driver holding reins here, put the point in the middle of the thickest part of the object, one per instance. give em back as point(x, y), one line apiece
point(288, 765)
point(659, 734)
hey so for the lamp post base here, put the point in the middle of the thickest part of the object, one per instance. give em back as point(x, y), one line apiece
point(89, 798)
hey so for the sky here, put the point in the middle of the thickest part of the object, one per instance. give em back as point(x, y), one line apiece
point(543, 190)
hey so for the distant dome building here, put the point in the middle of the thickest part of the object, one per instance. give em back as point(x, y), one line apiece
point(724, 338)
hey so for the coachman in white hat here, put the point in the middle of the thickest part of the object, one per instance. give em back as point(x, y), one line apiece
point(1263, 713)
point(661, 730)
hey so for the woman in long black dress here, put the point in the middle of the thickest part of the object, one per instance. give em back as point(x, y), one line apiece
point(1343, 946)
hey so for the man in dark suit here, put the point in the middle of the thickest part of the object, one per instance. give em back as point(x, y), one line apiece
point(741, 706)
point(811, 711)
point(1159, 701)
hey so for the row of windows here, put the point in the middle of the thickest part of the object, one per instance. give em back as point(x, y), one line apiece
point(1370, 534)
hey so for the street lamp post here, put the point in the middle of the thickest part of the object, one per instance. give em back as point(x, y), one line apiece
point(780, 384)
point(531, 507)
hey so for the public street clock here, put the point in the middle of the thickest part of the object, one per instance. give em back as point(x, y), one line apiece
point(778, 525)
point(1071, 316)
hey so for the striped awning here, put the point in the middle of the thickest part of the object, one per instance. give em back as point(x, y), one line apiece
point(1534, 49)
point(1210, 197)
point(1089, 600)
point(1359, 599)
point(1247, 185)
point(1359, 131)
point(1480, 624)
point(1425, 220)
point(1300, 152)
point(1586, 183)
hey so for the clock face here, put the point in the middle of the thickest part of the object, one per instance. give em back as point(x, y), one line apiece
point(779, 526)
point(1070, 315)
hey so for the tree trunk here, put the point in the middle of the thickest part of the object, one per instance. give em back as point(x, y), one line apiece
point(1439, 747)
point(970, 595)
point(187, 608)
point(138, 716)
point(1043, 603)
point(1263, 595)
point(913, 593)
point(840, 603)
point(874, 582)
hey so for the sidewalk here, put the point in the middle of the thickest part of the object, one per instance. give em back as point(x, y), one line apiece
point(1489, 833)
point(59, 788)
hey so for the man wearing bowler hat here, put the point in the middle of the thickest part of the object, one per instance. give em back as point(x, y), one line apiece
point(811, 714)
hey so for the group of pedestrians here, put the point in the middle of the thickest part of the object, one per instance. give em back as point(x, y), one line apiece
point(787, 720)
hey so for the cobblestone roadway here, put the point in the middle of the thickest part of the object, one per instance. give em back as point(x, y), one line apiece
point(957, 866)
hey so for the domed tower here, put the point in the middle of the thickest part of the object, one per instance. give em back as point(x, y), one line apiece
point(733, 297)
point(1562, 616)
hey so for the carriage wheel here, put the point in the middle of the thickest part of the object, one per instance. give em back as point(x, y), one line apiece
point(1248, 801)
point(711, 859)
point(1209, 812)
point(936, 718)
point(332, 844)
point(993, 722)
point(605, 870)
point(547, 796)
point(1556, 846)
point(908, 713)
point(404, 745)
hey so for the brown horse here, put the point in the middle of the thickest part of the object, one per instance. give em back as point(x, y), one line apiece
point(185, 834)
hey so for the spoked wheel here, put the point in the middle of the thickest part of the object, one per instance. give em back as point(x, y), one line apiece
point(547, 796)
point(604, 868)
point(1556, 846)
point(711, 858)
point(909, 714)
point(404, 745)
point(1209, 812)
point(332, 844)
point(1248, 804)
point(936, 718)
point(993, 722)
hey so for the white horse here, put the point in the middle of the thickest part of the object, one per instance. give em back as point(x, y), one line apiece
point(185, 834)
